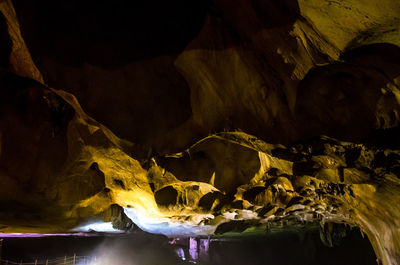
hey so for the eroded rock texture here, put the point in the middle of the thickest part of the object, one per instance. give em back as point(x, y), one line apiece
point(212, 117)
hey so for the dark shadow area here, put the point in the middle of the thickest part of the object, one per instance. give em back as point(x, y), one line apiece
point(292, 248)
point(350, 100)
point(33, 122)
point(166, 196)
point(109, 33)
point(384, 57)
point(5, 42)
point(117, 58)
point(247, 17)
point(113, 33)
point(196, 166)
point(275, 10)
point(385, 138)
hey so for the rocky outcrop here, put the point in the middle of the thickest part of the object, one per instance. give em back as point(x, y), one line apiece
point(53, 157)
point(318, 180)
point(15, 54)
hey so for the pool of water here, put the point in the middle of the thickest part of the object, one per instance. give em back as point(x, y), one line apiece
point(277, 247)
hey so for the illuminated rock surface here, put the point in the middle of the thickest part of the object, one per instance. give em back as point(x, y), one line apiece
point(205, 123)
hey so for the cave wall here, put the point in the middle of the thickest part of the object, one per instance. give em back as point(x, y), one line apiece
point(180, 71)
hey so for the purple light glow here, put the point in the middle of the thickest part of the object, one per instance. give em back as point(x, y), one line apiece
point(193, 252)
point(204, 246)
point(180, 253)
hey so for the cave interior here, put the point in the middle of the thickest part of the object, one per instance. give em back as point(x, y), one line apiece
point(205, 131)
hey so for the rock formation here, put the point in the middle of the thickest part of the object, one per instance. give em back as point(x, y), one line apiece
point(206, 118)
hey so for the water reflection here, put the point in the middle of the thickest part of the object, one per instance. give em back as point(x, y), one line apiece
point(279, 248)
point(296, 247)
point(192, 249)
